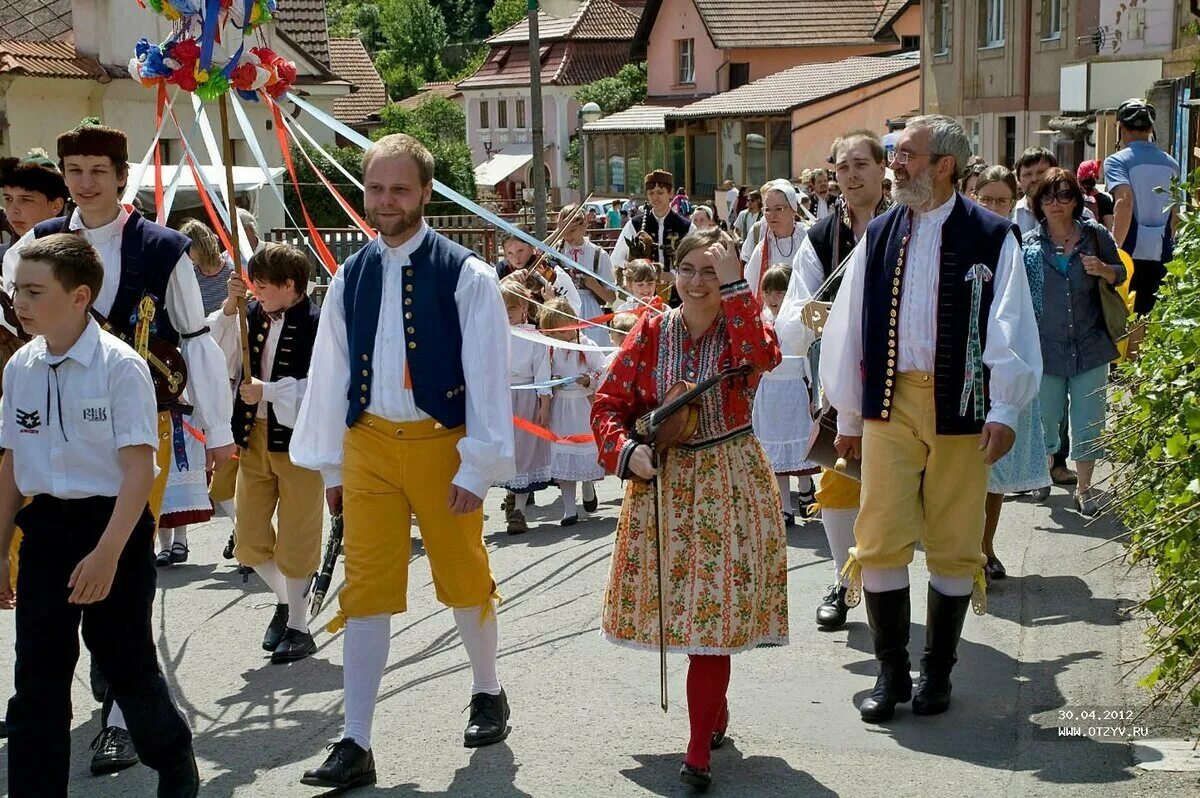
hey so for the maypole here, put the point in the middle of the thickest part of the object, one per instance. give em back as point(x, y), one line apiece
point(188, 60)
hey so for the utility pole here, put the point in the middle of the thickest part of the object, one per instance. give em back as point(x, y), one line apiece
point(535, 123)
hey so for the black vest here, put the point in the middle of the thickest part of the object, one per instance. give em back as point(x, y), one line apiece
point(970, 235)
point(677, 227)
point(292, 357)
point(833, 241)
point(149, 254)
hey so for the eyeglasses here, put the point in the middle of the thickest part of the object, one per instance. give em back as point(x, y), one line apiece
point(994, 202)
point(687, 273)
point(1064, 197)
point(902, 157)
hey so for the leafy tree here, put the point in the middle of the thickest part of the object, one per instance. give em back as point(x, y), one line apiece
point(440, 125)
point(506, 13)
point(321, 205)
point(415, 35)
point(626, 89)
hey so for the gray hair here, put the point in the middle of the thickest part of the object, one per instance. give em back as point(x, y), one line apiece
point(248, 221)
point(947, 138)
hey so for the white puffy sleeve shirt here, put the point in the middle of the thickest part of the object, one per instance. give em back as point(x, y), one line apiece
point(487, 449)
point(1013, 350)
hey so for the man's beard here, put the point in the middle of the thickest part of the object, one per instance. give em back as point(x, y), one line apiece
point(916, 193)
point(403, 221)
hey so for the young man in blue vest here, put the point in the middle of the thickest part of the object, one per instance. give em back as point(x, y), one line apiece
point(140, 259)
point(408, 411)
point(930, 352)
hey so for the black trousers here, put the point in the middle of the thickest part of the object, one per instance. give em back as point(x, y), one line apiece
point(1147, 279)
point(58, 534)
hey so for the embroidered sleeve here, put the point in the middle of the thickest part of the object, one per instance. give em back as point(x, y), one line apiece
point(751, 344)
point(617, 404)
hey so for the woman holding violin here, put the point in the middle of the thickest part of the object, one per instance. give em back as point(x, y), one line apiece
point(673, 417)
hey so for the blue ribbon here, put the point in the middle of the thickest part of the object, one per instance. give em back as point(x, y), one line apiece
point(208, 34)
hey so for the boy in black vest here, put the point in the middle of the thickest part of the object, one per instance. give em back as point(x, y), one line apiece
point(80, 426)
point(282, 321)
point(930, 352)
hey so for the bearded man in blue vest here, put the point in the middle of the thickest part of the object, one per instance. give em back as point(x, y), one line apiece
point(408, 412)
point(141, 260)
point(930, 352)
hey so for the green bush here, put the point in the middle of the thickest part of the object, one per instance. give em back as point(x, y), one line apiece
point(1155, 442)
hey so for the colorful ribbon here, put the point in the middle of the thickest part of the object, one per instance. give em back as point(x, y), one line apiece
point(547, 435)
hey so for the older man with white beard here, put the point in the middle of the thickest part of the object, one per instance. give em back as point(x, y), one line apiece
point(930, 352)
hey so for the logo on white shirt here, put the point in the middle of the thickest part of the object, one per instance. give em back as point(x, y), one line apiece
point(95, 413)
point(29, 420)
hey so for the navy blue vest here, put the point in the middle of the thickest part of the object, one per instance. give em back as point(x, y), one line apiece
point(149, 254)
point(292, 357)
point(431, 332)
point(970, 235)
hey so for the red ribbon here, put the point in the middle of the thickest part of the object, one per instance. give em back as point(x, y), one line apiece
point(327, 259)
point(195, 433)
point(547, 435)
point(346, 206)
point(159, 106)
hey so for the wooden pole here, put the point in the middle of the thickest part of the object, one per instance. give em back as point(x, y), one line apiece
point(235, 240)
point(535, 119)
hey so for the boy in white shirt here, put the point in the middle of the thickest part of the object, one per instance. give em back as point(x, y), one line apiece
point(80, 425)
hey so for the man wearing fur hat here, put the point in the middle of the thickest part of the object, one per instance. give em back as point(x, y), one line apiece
point(141, 259)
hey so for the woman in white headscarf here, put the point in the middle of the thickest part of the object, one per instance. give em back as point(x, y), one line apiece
point(783, 235)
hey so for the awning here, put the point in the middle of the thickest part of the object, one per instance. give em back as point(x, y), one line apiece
point(245, 178)
point(502, 164)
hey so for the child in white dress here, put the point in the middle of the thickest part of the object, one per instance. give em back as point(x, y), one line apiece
point(572, 461)
point(528, 363)
point(782, 416)
point(641, 280)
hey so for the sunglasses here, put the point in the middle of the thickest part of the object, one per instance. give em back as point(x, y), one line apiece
point(1064, 197)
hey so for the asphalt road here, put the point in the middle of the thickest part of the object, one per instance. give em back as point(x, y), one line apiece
point(586, 720)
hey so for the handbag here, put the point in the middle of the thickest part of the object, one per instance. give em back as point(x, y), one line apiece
point(1112, 305)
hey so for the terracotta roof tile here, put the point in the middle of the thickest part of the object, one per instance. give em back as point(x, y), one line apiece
point(56, 59)
point(303, 21)
point(569, 63)
point(601, 20)
point(35, 20)
point(887, 16)
point(349, 60)
point(800, 23)
point(636, 119)
point(807, 83)
point(443, 89)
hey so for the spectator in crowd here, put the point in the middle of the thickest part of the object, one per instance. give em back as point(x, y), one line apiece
point(731, 198)
point(212, 266)
point(966, 185)
point(1095, 200)
point(747, 218)
point(1139, 177)
point(614, 214)
point(822, 202)
point(1033, 163)
point(995, 188)
point(887, 189)
point(1077, 254)
point(681, 204)
point(592, 221)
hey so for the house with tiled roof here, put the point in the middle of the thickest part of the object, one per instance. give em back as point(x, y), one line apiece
point(585, 42)
point(359, 109)
point(747, 91)
point(63, 60)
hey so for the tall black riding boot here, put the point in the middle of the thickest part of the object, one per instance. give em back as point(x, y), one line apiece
point(943, 627)
point(888, 613)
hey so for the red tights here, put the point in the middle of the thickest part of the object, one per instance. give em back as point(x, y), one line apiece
point(707, 682)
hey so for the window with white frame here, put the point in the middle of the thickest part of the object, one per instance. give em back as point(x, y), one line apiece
point(1052, 19)
point(941, 27)
point(685, 52)
point(991, 23)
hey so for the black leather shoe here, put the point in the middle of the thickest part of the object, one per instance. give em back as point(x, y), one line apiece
point(347, 766)
point(179, 553)
point(719, 733)
point(276, 628)
point(943, 628)
point(807, 501)
point(227, 552)
point(570, 520)
point(789, 520)
point(590, 505)
point(294, 646)
point(163, 558)
point(114, 751)
point(489, 720)
point(696, 777)
point(888, 613)
point(181, 780)
point(831, 614)
point(994, 569)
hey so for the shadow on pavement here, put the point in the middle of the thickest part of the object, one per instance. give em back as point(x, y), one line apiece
point(733, 774)
point(1036, 600)
point(490, 773)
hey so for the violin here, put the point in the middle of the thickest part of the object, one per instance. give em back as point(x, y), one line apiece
point(675, 421)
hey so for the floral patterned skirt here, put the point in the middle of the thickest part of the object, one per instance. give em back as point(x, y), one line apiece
point(724, 555)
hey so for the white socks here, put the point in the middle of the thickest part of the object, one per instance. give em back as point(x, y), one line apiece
point(269, 572)
point(785, 492)
point(164, 538)
point(952, 585)
point(480, 641)
point(365, 653)
point(181, 534)
point(116, 717)
point(297, 601)
point(881, 581)
point(839, 531)
point(568, 497)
